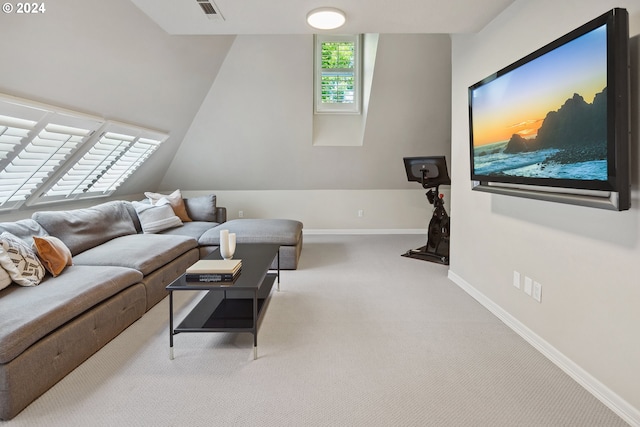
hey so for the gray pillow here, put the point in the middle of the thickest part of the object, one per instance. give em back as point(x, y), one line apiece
point(24, 229)
point(202, 208)
point(82, 229)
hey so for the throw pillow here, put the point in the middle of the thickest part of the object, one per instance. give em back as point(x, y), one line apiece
point(156, 218)
point(202, 208)
point(53, 253)
point(20, 261)
point(5, 279)
point(175, 199)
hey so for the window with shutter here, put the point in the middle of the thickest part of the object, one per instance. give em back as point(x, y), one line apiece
point(34, 143)
point(117, 153)
point(337, 73)
point(49, 154)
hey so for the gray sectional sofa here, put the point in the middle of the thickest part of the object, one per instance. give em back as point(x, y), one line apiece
point(118, 273)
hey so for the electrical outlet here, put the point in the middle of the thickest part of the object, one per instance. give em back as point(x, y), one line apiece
point(240, 214)
point(516, 279)
point(528, 285)
point(360, 213)
point(537, 291)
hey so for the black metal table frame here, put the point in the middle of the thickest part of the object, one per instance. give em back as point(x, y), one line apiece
point(258, 305)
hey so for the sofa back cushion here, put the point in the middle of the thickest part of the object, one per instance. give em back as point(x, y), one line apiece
point(202, 208)
point(82, 229)
point(134, 215)
point(23, 229)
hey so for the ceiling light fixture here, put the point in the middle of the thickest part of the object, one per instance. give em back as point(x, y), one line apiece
point(326, 18)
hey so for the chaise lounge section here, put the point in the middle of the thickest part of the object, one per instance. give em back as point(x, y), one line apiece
point(286, 232)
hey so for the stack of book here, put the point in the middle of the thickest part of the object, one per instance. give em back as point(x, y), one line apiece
point(214, 270)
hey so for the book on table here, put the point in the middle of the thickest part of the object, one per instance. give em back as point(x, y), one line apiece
point(214, 270)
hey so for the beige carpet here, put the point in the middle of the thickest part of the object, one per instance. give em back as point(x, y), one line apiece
point(358, 336)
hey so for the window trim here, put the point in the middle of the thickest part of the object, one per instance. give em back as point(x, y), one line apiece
point(337, 108)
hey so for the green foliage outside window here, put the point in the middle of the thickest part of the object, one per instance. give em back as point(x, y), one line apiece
point(338, 78)
point(337, 54)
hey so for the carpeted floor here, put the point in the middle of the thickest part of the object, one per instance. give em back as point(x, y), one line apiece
point(357, 336)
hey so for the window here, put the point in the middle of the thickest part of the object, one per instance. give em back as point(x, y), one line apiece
point(337, 74)
point(49, 154)
point(106, 165)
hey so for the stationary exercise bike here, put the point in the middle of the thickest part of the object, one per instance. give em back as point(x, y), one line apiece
point(431, 172)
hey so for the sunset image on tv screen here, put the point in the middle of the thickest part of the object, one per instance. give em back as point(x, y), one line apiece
point(546, 118)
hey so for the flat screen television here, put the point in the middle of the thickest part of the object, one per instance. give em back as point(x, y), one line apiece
point(555, 124)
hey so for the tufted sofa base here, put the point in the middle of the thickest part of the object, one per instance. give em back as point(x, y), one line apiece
point(64, 349)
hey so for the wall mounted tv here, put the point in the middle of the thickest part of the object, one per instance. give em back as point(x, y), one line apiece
point(555, 124)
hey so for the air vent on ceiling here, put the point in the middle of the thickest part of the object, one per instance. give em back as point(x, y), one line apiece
point(210, 9)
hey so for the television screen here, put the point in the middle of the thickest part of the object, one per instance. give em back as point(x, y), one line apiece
point(558, 118)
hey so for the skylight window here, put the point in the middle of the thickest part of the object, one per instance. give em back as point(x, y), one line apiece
point(107, 164)
point(49, 154)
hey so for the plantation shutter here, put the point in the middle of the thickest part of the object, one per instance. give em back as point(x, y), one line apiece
point(107, 164)
point(32, 150)
point(48, 154)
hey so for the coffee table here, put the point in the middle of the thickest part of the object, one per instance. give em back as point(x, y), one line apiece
point(231, 307)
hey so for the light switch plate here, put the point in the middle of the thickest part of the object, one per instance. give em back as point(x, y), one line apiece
point(516, 279)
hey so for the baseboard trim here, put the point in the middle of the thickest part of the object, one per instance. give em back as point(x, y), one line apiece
point(364, 231)
point(614, 402)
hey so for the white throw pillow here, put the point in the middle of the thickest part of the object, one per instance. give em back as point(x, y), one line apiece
point(177, 203)
point(156, 218)
point(5, 279)
point(19, 260)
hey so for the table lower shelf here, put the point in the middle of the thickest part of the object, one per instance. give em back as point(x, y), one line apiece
point(227, 310)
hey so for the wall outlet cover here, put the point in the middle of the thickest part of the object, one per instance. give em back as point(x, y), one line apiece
point(528, 285)
point(537, 291)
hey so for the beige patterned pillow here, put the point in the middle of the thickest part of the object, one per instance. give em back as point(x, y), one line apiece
point(19, 260)
point(5, 279)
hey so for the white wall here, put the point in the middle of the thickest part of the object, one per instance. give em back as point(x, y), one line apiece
point(254, 133)
point(384, 211)
point(586, 259)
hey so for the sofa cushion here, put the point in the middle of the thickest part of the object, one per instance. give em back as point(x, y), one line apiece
point(155, 218)
point(82, 229)
point(28, 314)
point(134, 215)
point(282, 231)
point(143, 252)
point(193, 229)
point(53, 253)
point(19, 260)
point(202, 208)
point(175, 199)
point(24, 229)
